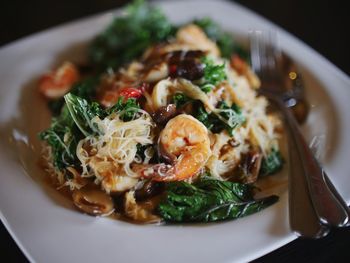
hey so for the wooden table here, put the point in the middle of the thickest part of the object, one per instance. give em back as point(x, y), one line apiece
point(321, 24)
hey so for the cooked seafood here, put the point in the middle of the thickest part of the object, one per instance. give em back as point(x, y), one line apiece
point(57, 83)
point(185, 141)
point(171, 128)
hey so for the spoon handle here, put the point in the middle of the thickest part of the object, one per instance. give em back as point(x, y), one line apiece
point(303, 219)
point(328, 208)
point(338, 196)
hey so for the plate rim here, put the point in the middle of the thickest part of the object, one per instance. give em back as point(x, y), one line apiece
point(112, 12)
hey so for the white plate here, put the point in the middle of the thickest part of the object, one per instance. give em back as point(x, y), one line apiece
point(44, 224)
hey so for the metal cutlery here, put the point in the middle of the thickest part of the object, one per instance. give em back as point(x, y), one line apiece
point(314, 203)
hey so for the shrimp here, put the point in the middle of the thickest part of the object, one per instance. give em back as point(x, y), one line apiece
point(195, 37)
point(112, 176)
point(54, 85)
point(185, 141)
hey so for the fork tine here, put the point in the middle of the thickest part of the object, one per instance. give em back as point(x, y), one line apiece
point(270, 56)
point(266, 58)
point(255, 47)
point(262, 53)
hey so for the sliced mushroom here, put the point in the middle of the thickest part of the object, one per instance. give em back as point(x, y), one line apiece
point(250, 166)
point(148, 190)
point(93, 201)
point(164, 113)
point(186, 64)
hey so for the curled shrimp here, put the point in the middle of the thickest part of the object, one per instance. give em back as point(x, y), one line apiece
point(195, 37)
point(55, 84)
point(185, 143)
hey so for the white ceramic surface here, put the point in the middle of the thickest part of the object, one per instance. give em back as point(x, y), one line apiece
point(44, 224)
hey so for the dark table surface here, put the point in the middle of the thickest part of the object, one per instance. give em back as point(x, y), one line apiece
point(321, 24)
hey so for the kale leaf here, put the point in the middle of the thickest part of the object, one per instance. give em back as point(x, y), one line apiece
point(75, 122)
point(83, 112)
point(233, 115)
point(128, 109)
point(128, 36)
point(213, 74)
point(229, 119)
point(180, 99)
point(272, 163)
point(86, 89)
point(209, 120)
point(63, 137)
point(209, 200)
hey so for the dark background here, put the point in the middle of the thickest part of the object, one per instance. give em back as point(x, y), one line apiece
point(321, 24)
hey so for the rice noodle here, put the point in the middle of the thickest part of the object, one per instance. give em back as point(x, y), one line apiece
point(116, 148)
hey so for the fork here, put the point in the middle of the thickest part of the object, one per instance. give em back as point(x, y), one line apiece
point(314, 204)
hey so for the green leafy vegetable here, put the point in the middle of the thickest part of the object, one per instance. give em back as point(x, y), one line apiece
point(227, 117)
point(210, 120)
point(128, 36)
point(128, 109)
point(180, 99)
point(272, 163)
point(213, 74)
point(83, 112)
point(224, 40)
point(210, 200)
point(75, 122)
point(63, 137)
point(233, 116)
point(86, 89)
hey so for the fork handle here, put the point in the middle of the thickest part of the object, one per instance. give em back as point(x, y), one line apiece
point(303, 219)
point(338, 196)
point(328, 208)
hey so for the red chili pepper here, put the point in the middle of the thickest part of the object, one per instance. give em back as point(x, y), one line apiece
point(130, 93)
point(173, 70)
